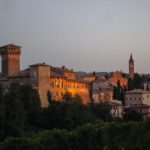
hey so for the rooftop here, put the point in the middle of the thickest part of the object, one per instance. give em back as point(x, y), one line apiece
point(138, 91)
point(11, 45)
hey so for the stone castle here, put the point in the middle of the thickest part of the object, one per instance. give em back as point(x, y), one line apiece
point(44, 78)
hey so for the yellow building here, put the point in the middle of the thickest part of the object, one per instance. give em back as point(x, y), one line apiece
point(90, 77)
point(63, 80)
point(42, 77)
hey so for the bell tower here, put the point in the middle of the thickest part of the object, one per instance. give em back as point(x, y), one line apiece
point(10, 59)
point(131, 67)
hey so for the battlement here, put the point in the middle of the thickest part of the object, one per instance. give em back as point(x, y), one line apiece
point(10, 49)
point(10, 59)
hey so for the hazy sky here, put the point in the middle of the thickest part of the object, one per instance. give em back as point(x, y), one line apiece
point(84, 35)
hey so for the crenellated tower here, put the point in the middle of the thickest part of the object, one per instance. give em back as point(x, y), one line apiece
point(10, 59)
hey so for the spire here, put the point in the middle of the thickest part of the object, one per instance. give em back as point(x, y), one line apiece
point(131, 59)
point(131, 56)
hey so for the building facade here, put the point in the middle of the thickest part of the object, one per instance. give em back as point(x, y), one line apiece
point(138, 100)
point(117, 76)
point(42, 77)
point(91, 77)
point(137, 97)
point(10, 59)
point(63, 80)
point(102, 91)
point(116, 108)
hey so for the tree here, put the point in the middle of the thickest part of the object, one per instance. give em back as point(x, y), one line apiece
point(122, 95)
point(49, 97)
point(137, 81)
point(14, 111)
point(115, 93)
point(77, 98)
point(118, 92)
point(32, 107)
point(2, 113)
point(131, 85)
point(132, 115)
point(101, 111)
point(67, 96)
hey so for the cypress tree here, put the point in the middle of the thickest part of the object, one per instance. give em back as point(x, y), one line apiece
point(14, 122)
point(2, 113)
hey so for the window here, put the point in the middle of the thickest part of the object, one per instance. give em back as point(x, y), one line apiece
point(57, 85)
point(52, 84)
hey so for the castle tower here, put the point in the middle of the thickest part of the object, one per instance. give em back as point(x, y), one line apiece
point(40, 80)
point(131, 67)
point(10, 59)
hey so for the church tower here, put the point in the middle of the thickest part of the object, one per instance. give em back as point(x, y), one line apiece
point(131, 67)
point(10, 59)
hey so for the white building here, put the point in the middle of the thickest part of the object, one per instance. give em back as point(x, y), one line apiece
point(137, 97)
point(102, 91)
point(138, 100)
point(116, 108)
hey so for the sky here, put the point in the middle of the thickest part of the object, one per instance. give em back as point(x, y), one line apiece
point(84, 35)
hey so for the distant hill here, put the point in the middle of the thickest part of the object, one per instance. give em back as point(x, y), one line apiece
point(82, 73)
point(102, 73)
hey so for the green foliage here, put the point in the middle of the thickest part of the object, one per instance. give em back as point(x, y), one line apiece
point(98, 135)
point(14, 112)
point(31, 104)
point(19, 110)
point(131, 115)
point(67, 114)
point(67, 97)
point(2, 113)
point(66, 125)
point(71, 113)
point(118, 92)
point(136, 82)
point(49, 97)
point(115, 92)
point(101, 111)
point(131, 85)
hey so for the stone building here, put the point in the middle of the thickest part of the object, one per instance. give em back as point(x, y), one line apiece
point(137, 97)
point(63, 80)
point(10, 60)
point(116, 108)
point(91, 77)
point(138, 100)
point(42, 77)
point(102, 91)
